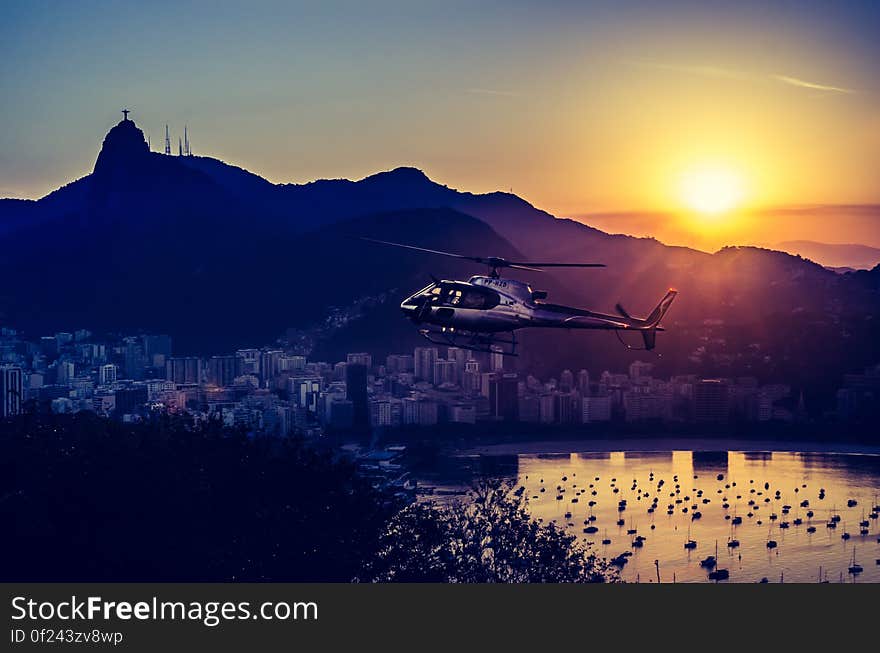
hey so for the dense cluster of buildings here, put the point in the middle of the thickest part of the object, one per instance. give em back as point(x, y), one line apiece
point(276, 391)
point(859, 397)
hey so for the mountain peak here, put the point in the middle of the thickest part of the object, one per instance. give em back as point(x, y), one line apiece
point(123, 145)
point(401, 175)
point(408, 171)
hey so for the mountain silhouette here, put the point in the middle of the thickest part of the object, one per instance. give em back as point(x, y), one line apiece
point(221, 258)
point(835, 255)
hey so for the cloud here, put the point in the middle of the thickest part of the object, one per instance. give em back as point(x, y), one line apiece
point(703, 71)
point(729, 73)
point(492, 91)
point(794, 81)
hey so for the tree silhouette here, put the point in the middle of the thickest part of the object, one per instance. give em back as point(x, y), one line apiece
point(490, 538)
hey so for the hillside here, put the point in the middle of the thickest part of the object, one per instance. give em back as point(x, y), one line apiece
point(220, 258)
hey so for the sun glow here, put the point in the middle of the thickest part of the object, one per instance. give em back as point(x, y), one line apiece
point(711, 191)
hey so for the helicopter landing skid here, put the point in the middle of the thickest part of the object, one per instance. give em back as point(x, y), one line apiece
point(491, 343)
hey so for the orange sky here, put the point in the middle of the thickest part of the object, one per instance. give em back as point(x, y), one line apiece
point(581, 108)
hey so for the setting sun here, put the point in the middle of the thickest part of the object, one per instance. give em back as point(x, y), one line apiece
point(711, 191)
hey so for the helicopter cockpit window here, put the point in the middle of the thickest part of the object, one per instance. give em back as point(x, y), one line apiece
point(464, 296)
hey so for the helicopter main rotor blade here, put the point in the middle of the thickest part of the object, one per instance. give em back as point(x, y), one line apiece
point(560, 265)
point(517, 266)
point(492, 261)
point(423, 249)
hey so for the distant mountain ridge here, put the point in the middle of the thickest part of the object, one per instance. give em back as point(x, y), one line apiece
point(220, 257)
point(834, 255)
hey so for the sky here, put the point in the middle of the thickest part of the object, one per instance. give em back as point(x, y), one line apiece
point(695, 113)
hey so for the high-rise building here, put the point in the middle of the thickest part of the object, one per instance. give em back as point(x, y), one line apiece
point(107, 374)
point(222, 370)
point(66, 371)
point(638, 369)
point(360, 358)
point(103, 403)
point(130, 400)
point(339, 371)
point(250, 361)
point(397, 363)
point(380, 412)
point(269, 364)
point(419, 411)
point(297, 363)
point(504, 397)
point(463, 414)
point(356, 393)
point(711, 401)
point(339, 414)
point(10, 390)
point(470, 378)
point(156, 345)
point(424, 359)
point(82, 334)
point(49, 345)
point(496, 360)
point(461, 358)
point(596, 409)
point(529, 409)
point(584, 383)
point(305, 392)
point(547, 408)
point(566, 381)
point(184, 370)
point(133, 361)
point(34, 381)
point(445, 372)
point(486, 379)
point(566, 408)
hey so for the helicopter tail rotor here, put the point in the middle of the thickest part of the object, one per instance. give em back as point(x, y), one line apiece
point(622, 311)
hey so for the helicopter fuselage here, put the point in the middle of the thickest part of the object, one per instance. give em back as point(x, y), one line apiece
point(485, 304)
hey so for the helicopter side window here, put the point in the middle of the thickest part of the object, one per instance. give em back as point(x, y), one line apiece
point(479, 299)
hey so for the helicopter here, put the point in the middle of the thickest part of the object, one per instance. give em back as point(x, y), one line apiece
point(484, 312)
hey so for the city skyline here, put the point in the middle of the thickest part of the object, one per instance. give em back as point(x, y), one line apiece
point(276, 390)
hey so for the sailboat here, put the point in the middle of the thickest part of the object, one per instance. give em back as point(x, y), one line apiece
point(732, 542)
point(690, 544)
point(709, 562)
point(718, 574)
point(855, 568)
point(631, 530)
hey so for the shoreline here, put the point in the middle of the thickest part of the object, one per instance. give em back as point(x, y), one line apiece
point(633, 445)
